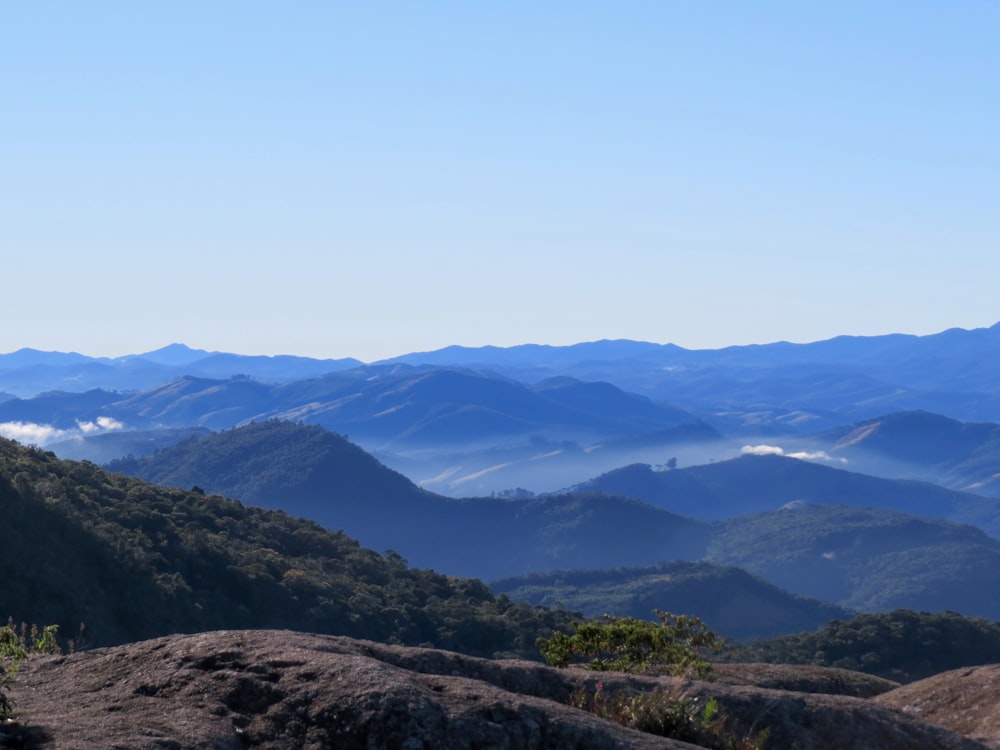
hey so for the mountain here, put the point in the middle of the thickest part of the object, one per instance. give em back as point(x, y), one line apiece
point(731, 601)
point(867, 560)
point(779, 387)
point(458, 432)
point(401, 404)
point(755, 483)
point(133, 560)
point(28, 372)
point(921, 445)
point(307, 470)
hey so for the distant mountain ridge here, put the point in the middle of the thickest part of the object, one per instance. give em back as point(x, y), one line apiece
point(398, 404)
point(465, 421)
point(28, 372)
point(753, 484)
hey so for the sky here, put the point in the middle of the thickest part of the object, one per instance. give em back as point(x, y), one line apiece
point(367, 179)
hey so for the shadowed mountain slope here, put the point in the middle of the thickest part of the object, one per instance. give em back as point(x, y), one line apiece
point(732, 602)
point(750, 484)
point(319, 475)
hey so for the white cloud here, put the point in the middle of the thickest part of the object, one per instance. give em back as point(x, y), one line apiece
point(31, 433)
point(762, 450)
point(101, 424)
point(816, 456)
point(774, 450)
point(109, 423)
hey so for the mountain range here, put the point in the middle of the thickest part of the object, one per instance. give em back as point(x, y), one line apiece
point(865, 558)
point(533, 459)
point(767, 489)
point(853, 377)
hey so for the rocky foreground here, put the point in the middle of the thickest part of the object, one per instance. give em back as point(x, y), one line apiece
point(280, 689)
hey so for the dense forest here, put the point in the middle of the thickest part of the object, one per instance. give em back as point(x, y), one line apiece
point(901, 645)
point(131, 560)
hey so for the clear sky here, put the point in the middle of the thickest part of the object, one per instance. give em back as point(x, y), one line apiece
point(372, 178)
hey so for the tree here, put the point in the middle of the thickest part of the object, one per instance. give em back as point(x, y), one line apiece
point(629, 644)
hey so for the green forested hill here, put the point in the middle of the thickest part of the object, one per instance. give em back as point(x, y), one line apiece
point(901, 645)
point(133, 560)
point(732, 602)
point(865, 559)
point(305, 465)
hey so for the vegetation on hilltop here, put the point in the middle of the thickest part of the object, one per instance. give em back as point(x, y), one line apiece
point(901, 645)
point(133, 560)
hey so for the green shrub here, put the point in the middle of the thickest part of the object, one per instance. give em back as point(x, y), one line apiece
point(670, 716)
point(16, 644)
point(629, 644)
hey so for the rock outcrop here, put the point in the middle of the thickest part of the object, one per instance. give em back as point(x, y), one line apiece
point(964, 700)
point(278, 689)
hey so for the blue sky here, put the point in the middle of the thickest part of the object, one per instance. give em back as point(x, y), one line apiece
point(371, 178)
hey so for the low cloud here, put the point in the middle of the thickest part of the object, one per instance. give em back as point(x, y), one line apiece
point(762, 450)
point(101, 424)
point(30, 433)
point(33, 433)
point(774, 450)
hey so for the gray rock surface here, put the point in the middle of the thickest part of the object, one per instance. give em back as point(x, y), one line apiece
point(964, 700)
point(278, 689)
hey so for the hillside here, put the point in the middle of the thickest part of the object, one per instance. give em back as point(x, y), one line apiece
point(921, 445)
point(865, 559)
point(132, 560)
point(307, 467)
point(732, 602)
